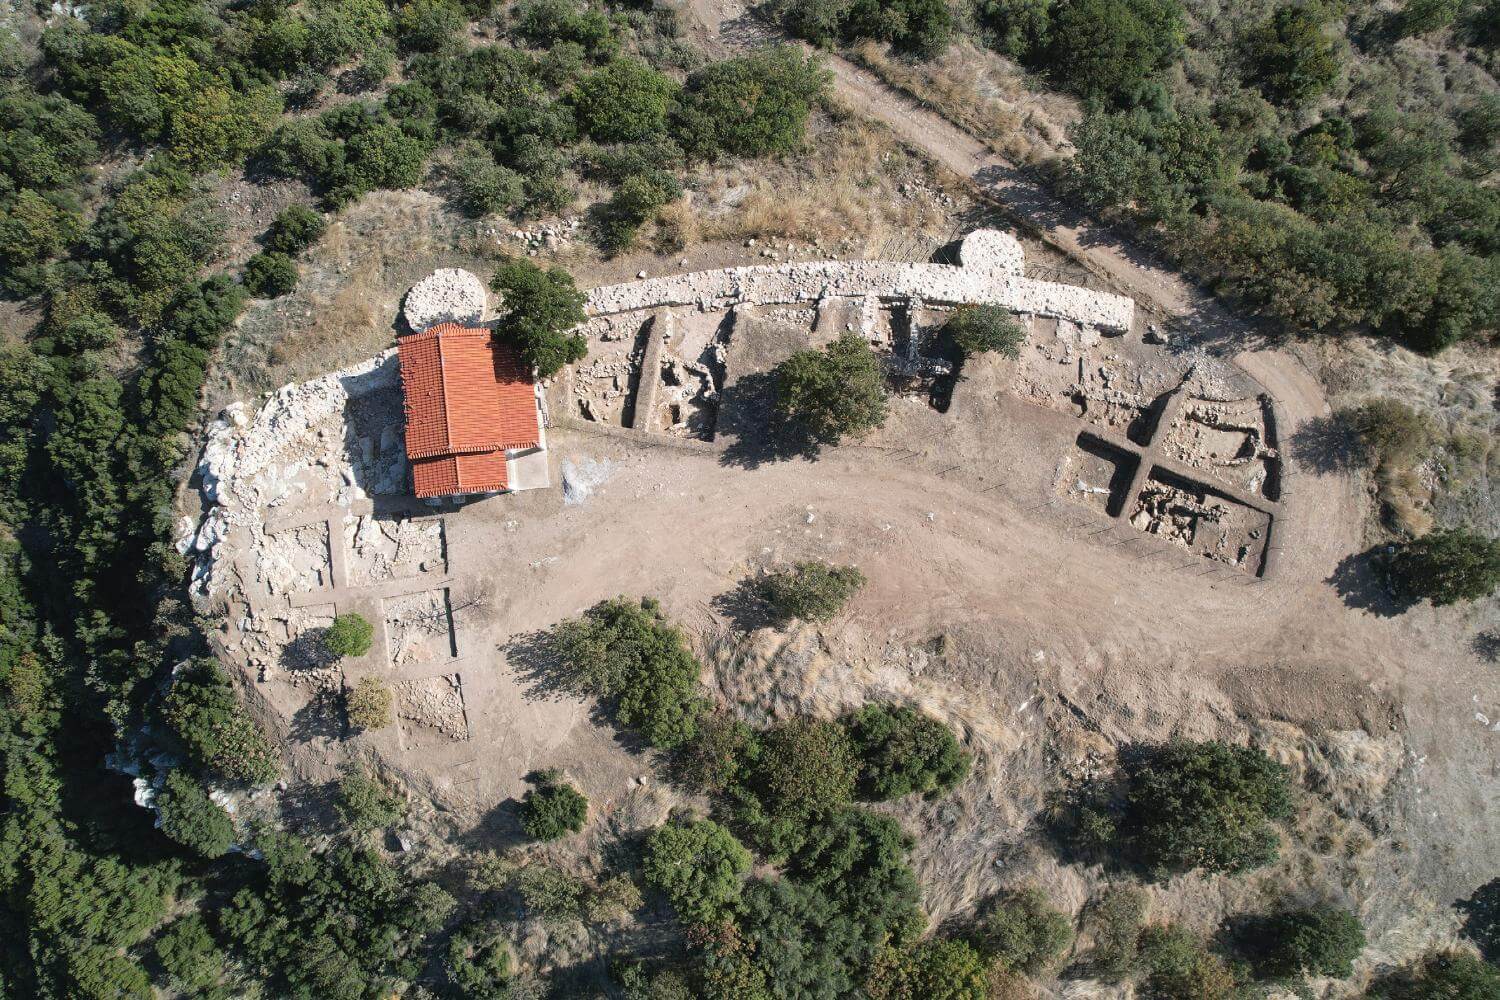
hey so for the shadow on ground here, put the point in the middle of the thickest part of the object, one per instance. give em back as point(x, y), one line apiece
point(1325, 445)
point(1360, 584)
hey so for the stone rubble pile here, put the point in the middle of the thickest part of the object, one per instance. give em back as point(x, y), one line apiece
point(447, 295)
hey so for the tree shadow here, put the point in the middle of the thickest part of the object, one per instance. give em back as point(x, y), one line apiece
point(746, 606)
point(546, 674)
point(498, 830)
point(311, 806)
point(1486, 645)
point(1482, 923)
point(759, 434)
point(1326, 445)
point(320, 718)
point(307, 652)
point(1360, 583)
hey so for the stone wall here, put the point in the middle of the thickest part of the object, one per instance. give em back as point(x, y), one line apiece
point(991, 274)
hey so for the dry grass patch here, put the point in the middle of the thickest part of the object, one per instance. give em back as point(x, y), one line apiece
point(982, 93)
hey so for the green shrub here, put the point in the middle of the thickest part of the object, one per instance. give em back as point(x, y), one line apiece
point(270, 275)
point(217, 733)
point(1115, 918)
point(805, 766)
point(349, 635)
point(553, 808)
point(710, 761)
point(1024, 933)
point(811, 591)
point(699, 866)
point(613, 900)
point(983, 329)
point(1390, 433)
point(558, 897)
point(478, 960)
point(626, 101)
point(1181, 968)
point(294, 229)
point(627, 654)
point(1446, 567)
point(934, 970)
point(192, 819)
point(1455, 975)
point(429, 25)
point(902, 751)
point(637, 200)
point(369, 704)
point(1104, 50)
point(1421, 17)
point(483, 187)
point(833, 393)
point(1294, 57)
point(542, 308)
point(1318, 941)
point(753, 105)
point(1205, 805)
point(366, 803)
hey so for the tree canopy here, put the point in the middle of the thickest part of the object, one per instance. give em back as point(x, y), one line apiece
point(542, 307)
point(834, 393)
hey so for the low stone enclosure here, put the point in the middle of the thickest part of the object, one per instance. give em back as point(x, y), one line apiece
point(308, 513)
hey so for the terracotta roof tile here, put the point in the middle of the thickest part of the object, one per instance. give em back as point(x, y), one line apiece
point(468, 399)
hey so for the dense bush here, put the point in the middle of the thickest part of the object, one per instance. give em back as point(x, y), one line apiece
point(368, 704)
point(294, 229)
point(922, 27)
point(625, 101)
point(483, 187)
point(1115, 918)
point(542, 307)
point(804, 766)
point(699, 866)
point(365, 802)
point(711, 760)
point(1389, 432)
point(552, 808)
point(191, 958)
point(834, 393)
point(1446, 567)
point(218, 736)
point(270, 275)
point(1024, 933)
point(349, 635)
point(902, 751)
point(1204, 805)
point(753, 105)
point(1105, 50)
point(1317, 941)
point(626, 653)
point(1455, 975)
point(1179, 967)
point(192, 819)
point(811, 591)
point(934, 970)
point(1294, 57)
point(478, 961)
point(984, 329)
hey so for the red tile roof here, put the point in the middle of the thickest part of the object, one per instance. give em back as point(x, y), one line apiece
point(468, 400)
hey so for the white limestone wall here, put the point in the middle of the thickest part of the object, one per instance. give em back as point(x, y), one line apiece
point(991, 274)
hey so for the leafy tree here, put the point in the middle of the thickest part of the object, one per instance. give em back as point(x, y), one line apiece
point(626, 101)
point(217, 734)
point(1390, 433)
point(921, 27)
point(805, 766)
point(1421, 17)
point(626, 653)
point(188, 953)
point(429, 25)
point(833, 393)
point(192, 819)
point(1104, 50)
point(1205, 805)
point(938, 969)
point(902, 751)
point(699, 866)
point(1295, 60)
point(982, 329)
point(753, 105)
point(478, 961)
point(1446, 567)
point(1317, 941)
point(553, 808)
point(710, 761)
point(349, 635)
point(294, 229)
point(1024, 933)
point(542, 308)
point(368, 704)
point(366, 803)
point(270, 275)
point(811, 591)
point(1181, 968)
point(555, 895)
point(1455, 975)
point(544, 23)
